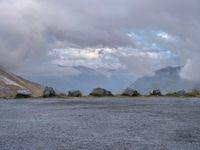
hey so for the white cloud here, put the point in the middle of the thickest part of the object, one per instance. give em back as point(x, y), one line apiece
point(191, 70)
point(30, 29)
point(89, 57)
point(138, 62)
point(163, 35)
point(167, 37)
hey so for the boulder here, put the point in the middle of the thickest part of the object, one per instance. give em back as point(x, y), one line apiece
point(180, 93)
point(156, 93)
point(101, 92)
point(75, 93)
point(130, 92)
point(49, 92)
point(23, 93)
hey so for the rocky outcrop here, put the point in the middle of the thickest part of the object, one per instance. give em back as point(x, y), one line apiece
point(130, 92)
point(49, 92)
point(23, 94)
point(180, 93)
point(100, 92)
point(76, 93)
point(155, 93)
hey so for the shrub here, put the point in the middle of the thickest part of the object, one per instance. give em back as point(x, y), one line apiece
point(193, 93)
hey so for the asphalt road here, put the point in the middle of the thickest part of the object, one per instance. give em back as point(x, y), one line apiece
point(100, 124)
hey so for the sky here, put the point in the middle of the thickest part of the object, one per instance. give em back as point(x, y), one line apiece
point(54, 38)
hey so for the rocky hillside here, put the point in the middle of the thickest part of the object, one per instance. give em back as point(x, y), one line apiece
point(166, 79)
point(11, 83)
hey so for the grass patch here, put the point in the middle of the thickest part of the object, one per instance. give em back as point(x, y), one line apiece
point(193, 93)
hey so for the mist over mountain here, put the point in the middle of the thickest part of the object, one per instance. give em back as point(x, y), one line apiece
point(11, 83)
point(87, 80)
point(167, 80)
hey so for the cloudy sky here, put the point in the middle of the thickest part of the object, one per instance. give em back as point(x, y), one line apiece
point(54, 37)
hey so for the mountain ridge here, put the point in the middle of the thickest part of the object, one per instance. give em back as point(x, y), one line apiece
point(11, 83)
point(166, 79)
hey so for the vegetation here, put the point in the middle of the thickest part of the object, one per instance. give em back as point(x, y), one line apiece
point(193, 93)
point(172, 95)
point(61, 95)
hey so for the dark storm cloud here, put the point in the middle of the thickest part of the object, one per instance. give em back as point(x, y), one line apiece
point(31, 28)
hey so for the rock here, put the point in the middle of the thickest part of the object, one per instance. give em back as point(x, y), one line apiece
point(23, 93)
point(101, 92)
point(75, 93)
point(49, 92)
point(156, 93)
point(180, 93)
point(130, 92)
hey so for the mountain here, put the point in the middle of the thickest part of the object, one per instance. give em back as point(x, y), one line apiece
point(11, 83)
point(166, 80)
point(88, 79)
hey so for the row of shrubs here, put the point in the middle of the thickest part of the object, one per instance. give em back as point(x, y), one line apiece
point(129, 92)
point(100, 92)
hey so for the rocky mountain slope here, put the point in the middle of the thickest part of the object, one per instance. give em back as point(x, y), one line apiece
point(166, 79)
point(11, 83)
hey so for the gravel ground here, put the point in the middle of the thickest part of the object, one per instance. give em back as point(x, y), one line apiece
point(100, 124)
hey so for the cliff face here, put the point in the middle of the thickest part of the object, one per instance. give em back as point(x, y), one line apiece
point(166, 79)
point(11, 83)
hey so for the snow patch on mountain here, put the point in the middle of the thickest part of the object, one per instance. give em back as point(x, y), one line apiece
point(7, 81)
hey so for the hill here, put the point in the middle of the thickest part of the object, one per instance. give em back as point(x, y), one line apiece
point(11, 83)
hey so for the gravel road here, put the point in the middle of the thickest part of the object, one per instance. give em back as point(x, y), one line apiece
point(100, 124)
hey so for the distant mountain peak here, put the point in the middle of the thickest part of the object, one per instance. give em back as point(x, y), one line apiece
point(166, 79)
point(170, 70)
